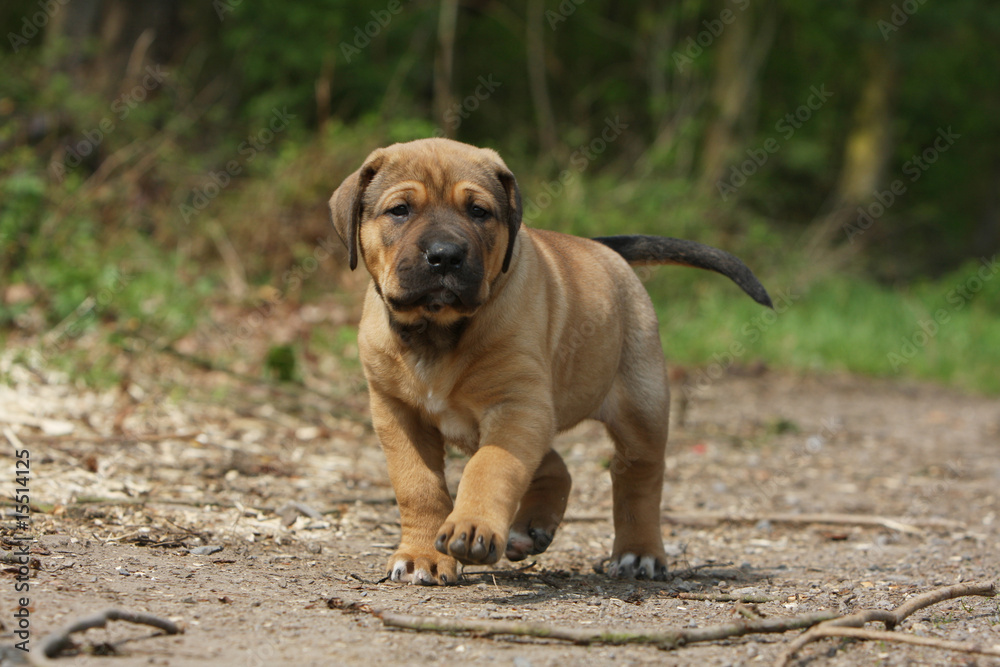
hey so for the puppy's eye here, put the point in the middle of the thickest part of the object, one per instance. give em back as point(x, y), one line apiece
point(399, 211)
point(478, 212)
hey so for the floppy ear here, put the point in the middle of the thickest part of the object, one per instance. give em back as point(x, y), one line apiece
point(347, 205)
point(513, 212)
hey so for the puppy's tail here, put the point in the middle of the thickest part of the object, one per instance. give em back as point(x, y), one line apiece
point(638, 249)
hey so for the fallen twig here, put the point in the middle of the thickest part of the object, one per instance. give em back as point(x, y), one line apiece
point(746, 611)
point(368, 582)
point(885, 636)
point(200, 504)
point(299, 508)
point(909, 525)
point(687, 572)
point(668, 639)
point(51, 426)
point(351, 607)
point(12, 438)
point(204, 537)
point(119, 438)
point(506, 571)
point(724, 597)
point(827, 623)
point(890, 618)
point(57, 642)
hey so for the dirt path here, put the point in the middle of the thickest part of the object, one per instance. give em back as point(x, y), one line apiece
point(116, 518)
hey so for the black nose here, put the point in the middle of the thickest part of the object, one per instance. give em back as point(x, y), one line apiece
point(445, 257)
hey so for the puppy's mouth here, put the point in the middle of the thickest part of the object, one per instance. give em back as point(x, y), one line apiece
point(436, 299)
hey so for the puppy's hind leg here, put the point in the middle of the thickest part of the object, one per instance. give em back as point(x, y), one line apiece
point(541, 509)
point(636, 414)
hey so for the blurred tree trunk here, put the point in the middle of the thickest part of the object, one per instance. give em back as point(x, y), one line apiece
point(535, 42)
point(867, 147)
point(740, 52)
point(130, 36)
point(395, 88)
point(986, 237)
point(73, 24)
point(674, 95)
point(444, 66)
point(866, 152)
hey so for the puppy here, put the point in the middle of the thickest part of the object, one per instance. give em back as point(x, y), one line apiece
point(483, 334)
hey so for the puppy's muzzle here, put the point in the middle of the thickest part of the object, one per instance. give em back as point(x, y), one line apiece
point(444, 257)
point(442, 271)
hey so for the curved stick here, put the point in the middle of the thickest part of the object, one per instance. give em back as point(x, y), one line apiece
point(57, 642)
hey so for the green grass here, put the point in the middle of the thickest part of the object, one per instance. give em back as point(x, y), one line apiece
point(839, 324)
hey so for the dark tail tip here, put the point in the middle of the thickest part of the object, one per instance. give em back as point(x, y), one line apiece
point(639, 249)
point(763, 298)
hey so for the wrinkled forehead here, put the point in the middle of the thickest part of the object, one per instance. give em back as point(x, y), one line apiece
point(440, 165)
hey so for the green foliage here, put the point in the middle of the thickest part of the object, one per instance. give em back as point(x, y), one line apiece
point(280, 363)
point(21, 203)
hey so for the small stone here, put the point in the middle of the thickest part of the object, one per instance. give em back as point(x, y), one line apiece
point(682, 585)
point(307, 433)
point(206, 550)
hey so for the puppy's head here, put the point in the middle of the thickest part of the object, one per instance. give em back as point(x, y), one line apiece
point(434, 221)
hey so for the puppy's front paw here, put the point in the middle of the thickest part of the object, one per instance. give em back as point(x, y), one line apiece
point(422, 566)
point(471, 542)
point(635, 566)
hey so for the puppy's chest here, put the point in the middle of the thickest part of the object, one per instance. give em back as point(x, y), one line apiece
point(437, 401)
point(458, 428)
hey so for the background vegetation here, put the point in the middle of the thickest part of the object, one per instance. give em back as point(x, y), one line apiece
point(165, 166)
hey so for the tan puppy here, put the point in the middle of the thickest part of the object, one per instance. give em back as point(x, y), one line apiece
point(480, 333)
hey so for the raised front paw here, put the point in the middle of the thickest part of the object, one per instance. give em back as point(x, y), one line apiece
point(422, 566)
point(630, 565)
point(470, 541)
